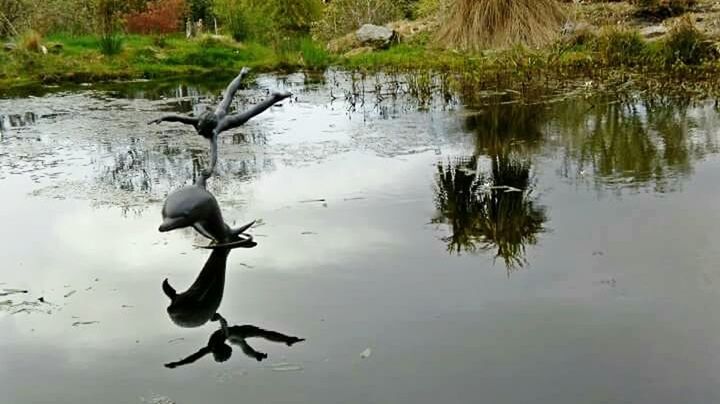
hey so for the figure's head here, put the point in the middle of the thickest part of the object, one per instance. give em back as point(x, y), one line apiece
point(207, 122)
point(222, 352)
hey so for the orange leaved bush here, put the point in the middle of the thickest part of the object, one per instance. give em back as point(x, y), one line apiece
point(159, 17)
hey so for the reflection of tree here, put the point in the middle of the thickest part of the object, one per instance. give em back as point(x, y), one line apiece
point(632, 144)
point(493, 210)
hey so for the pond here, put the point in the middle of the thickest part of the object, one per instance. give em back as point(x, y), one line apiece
point(425, 249)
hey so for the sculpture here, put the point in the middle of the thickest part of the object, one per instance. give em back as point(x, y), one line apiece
point(210, 124)
point(236, 335)
point(195, 206)
point(197, 305)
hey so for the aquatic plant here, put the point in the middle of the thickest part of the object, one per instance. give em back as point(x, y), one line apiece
point(480, 24)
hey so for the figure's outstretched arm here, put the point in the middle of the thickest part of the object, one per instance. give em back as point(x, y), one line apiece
point(187, 120)
point(222, 108)
point(190, 359)
point(235, 120)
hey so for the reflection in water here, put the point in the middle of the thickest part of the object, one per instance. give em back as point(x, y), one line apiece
point(236, 335)
point(495, 210)
point(17, 120)
point(198, 304)
point(633, 144)
point(489, 212)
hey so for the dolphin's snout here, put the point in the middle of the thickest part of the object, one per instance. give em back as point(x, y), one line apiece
point(172, 223)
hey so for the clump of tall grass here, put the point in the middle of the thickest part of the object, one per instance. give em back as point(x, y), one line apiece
point(314, 56)
point(620, 47)
point(31, 41)
point(111, 40)
point(480, 24)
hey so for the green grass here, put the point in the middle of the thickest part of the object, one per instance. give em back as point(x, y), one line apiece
point(143, 56)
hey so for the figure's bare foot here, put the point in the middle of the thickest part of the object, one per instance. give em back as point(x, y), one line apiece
point(294, 340)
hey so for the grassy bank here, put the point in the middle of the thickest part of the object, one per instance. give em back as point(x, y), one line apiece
point(80, 59)
point(608, 54)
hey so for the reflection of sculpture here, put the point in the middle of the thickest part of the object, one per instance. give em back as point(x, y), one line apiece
point(235, 335)
point(198, 304)
point(211, 123)
point(195, 206)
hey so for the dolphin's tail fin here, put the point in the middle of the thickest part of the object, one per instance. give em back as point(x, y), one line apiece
point(169, 290)
point(240, 230)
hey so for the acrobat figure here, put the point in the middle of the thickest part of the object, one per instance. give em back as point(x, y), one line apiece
point(235, 335)
point(210, 124)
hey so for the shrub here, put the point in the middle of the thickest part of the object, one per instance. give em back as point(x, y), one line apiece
point(297, 15)
point(160, 17)
point(661, 9)
point(685, 44)
point(247, 19)
point(343, 16)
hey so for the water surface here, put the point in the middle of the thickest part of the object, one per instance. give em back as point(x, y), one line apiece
point(561, 252)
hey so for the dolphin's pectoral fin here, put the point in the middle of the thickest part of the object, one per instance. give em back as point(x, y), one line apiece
point(241, 229)
point(172, 223)
point(169, 290)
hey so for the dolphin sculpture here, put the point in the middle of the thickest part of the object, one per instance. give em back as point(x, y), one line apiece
point(197, 305)
point(209, 124)
point(236, 335)
point(195, 206)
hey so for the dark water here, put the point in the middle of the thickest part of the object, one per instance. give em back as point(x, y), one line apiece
point(554, 253)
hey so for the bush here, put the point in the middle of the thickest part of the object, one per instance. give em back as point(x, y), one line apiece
point(343, 16)
point(661, 9)
point(247, 19)
point(160, 17)
point(685, 44)
point(297, 15)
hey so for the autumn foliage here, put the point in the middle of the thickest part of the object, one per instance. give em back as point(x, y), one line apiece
point(159, 17)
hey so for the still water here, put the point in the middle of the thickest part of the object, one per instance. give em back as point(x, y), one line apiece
point(426, 251)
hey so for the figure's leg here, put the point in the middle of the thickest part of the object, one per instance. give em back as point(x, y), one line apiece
point(235, 120)
point(187, 120)
point(250, 351)
point(250, 331)
point(224, 106)
point(213, 157)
